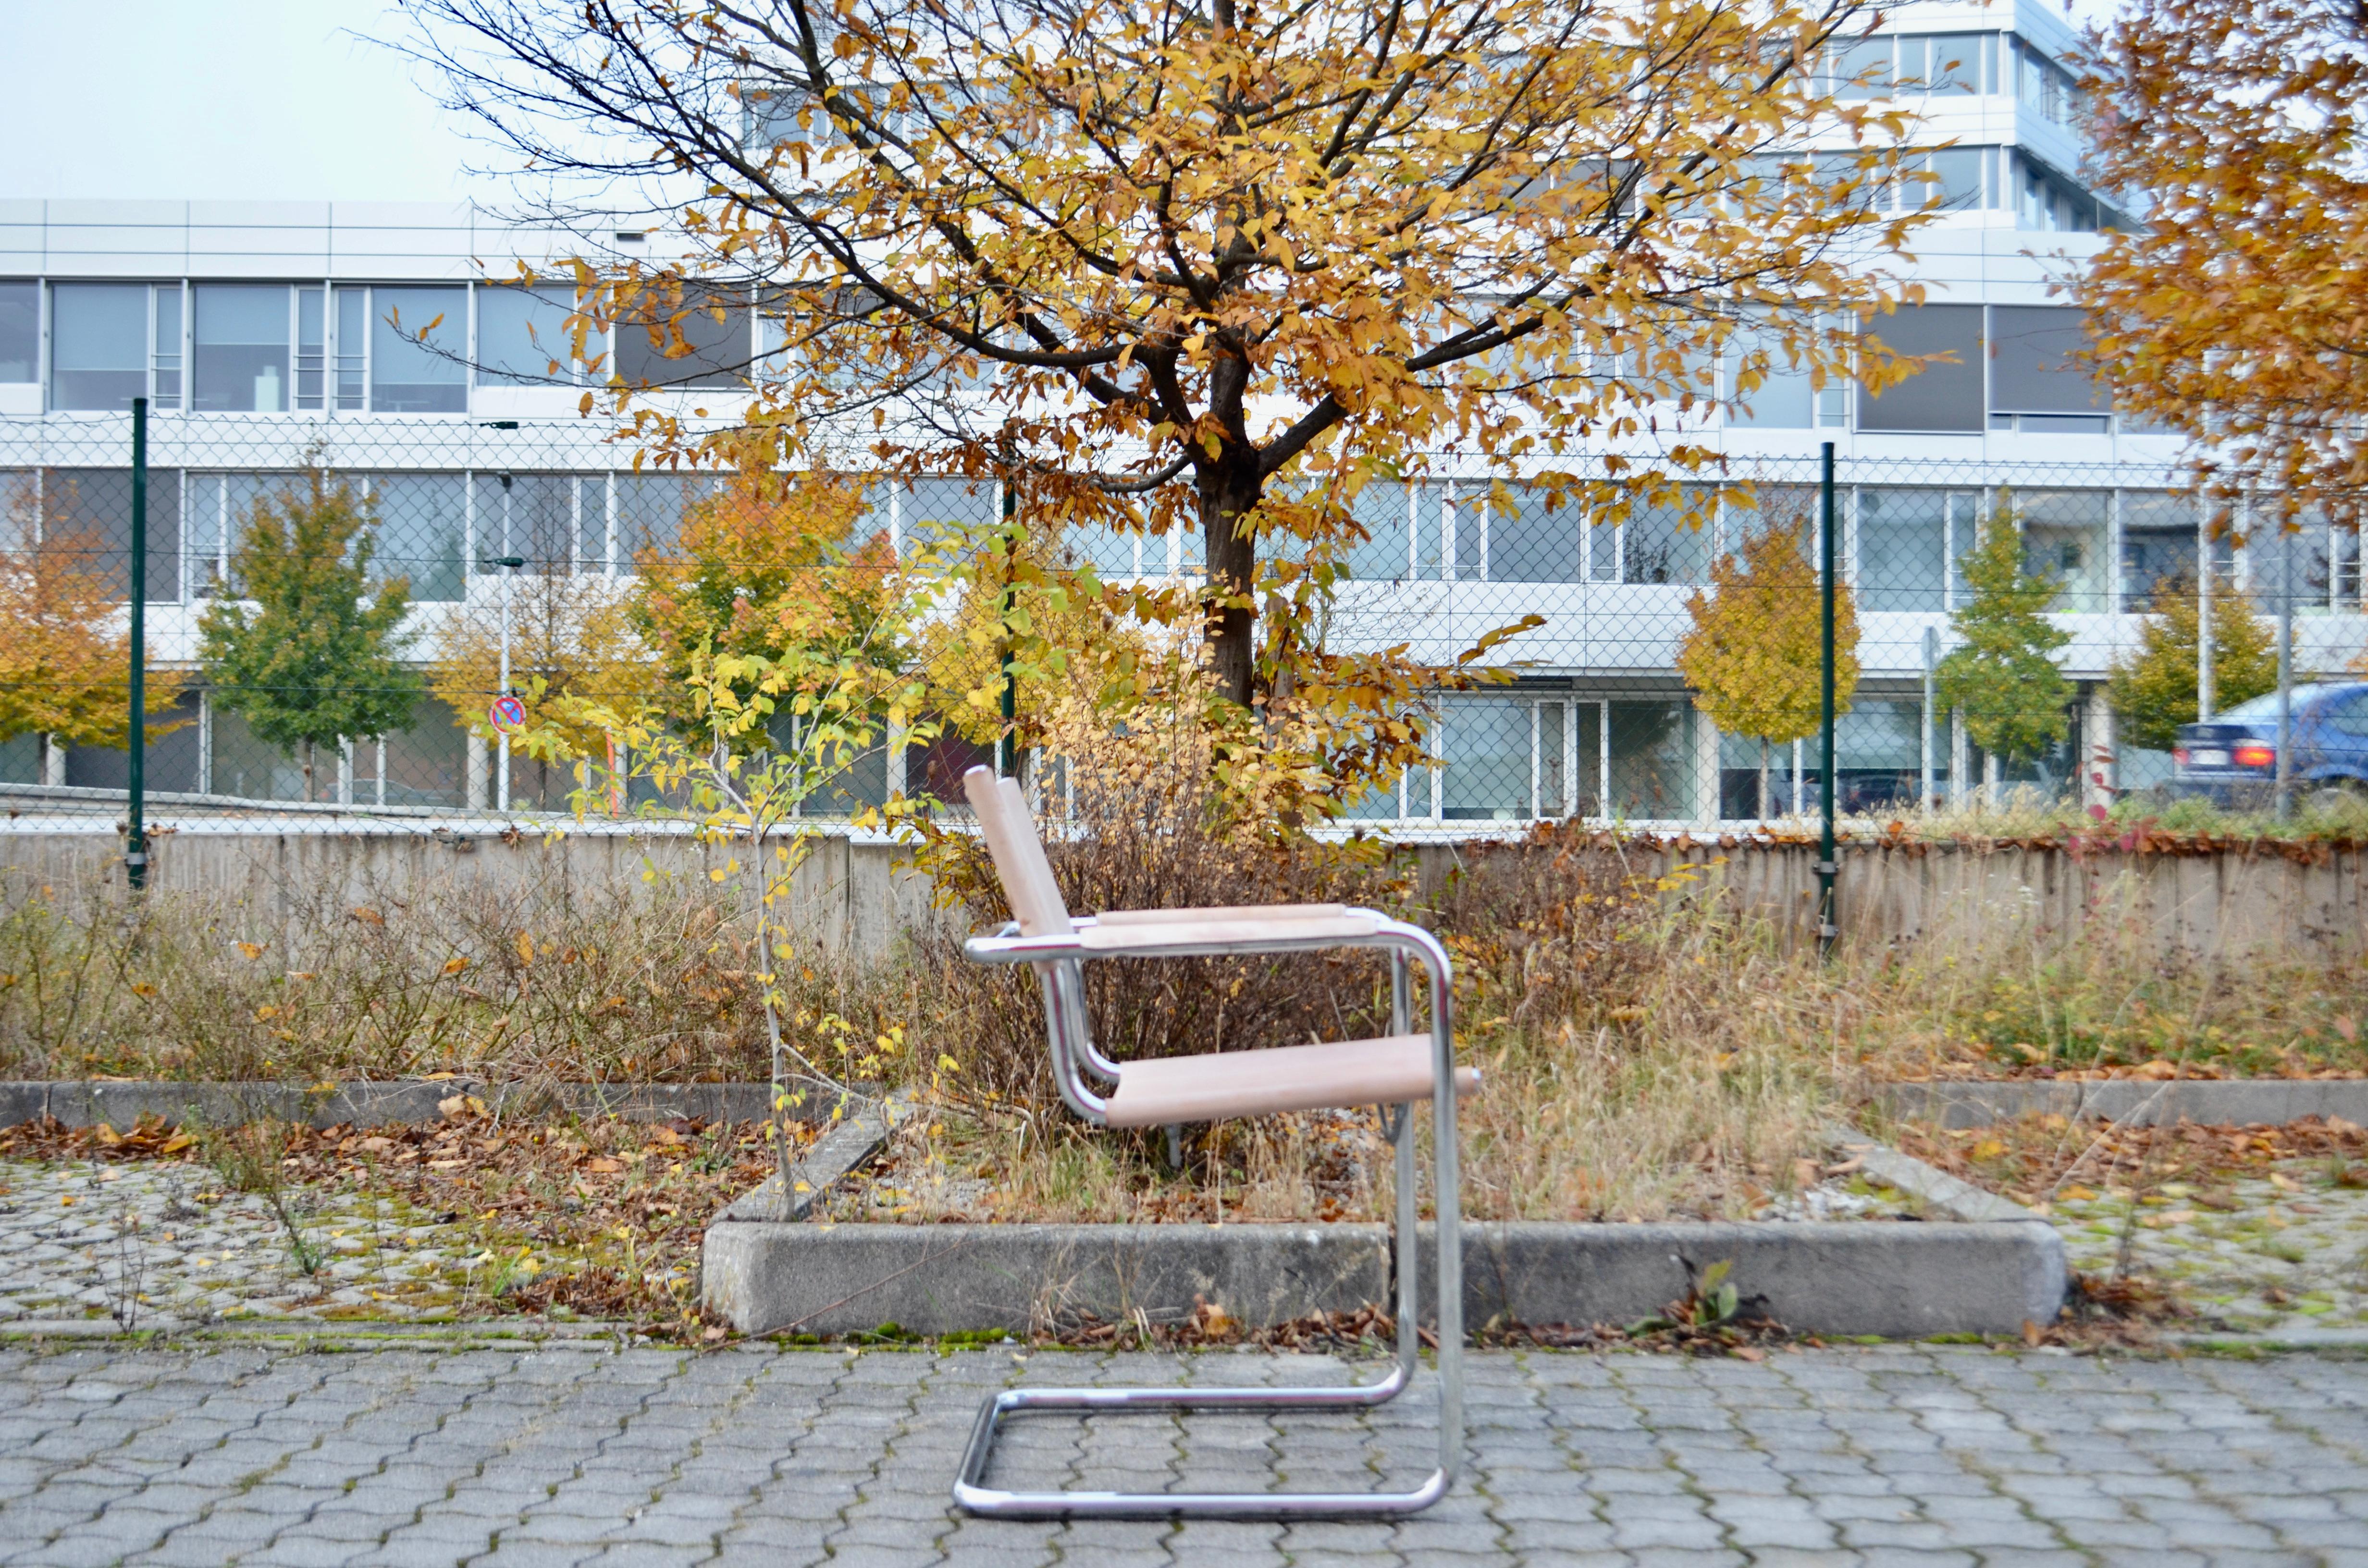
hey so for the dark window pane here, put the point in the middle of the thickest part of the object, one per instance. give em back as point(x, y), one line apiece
point(1652, 764)
point(2158, 539)
point(98, 344)
point(527, 514)
point(649, 513)
point(241, 348)
point(1667, 543)
point(422, 526)
point(418, 340)
point(1941, 396)
point(522, 338)
point(1532, 542)
point(2034, 366)
point(87, 512)
point(700, 342)
point(1487, 746)
point(21, 331)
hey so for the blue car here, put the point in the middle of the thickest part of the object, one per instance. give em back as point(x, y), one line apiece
point(2233, 756)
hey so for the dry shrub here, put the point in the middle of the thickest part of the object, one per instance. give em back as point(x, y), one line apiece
point(540, 978)
point(1624, 1078)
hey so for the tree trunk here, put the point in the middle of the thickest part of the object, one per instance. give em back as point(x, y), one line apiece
point(308, 773)
point(1229, 490)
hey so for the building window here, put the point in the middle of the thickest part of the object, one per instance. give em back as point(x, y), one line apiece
point(2045, 87)
point(698, 341)
point(351, 354)
point(523, 337)
point(2064, 537)
point(98, 344)
point(1944, 395)
point(1785, 397)
point(1892, 64)
point(21, 331)
point(2047, 202)
point(423, 530)
point(312, 346)
point(166, 361)
point(420, 351)
point(650, 508)
point(1487, 745)
point(2159, 545)
point(239, 347)
point(2037, 382)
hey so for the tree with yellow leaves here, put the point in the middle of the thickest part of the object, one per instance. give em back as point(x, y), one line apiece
point(65, 655)
point(1158, 262)
point(571, 638)
point(1755, 654)
point(2236, 313)
point(776, 562)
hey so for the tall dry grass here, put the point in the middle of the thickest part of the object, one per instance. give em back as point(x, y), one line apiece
point(541, 979)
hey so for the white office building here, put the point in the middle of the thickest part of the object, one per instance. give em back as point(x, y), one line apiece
point(383, 341)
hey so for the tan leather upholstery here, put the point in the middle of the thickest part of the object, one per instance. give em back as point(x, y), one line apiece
point(1389, 1071)
point(1221, 911)
point(1105, 938)
point(1011, 839)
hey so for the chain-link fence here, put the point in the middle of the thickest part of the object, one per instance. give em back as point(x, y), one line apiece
point(539, 535)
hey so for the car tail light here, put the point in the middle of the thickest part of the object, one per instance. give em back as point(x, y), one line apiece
point(2257, 757)
point(2179, 755)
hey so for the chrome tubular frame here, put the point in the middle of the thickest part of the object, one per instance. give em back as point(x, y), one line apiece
point(1055, 961)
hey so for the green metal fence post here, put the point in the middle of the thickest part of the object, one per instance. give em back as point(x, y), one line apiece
point(1007, 746)
point(135, 838)
point(1827, 929)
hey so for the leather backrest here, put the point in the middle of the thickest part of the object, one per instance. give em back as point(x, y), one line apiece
point(1011, 839)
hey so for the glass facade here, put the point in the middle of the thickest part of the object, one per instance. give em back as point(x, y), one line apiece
point(419, 350)
point(98, 344)
point(239, 347)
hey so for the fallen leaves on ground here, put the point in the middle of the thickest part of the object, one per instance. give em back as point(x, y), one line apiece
point(611, 1211)
point(2033, 1158)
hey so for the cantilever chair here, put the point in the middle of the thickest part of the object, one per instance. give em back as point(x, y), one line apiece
point(1394, 1072)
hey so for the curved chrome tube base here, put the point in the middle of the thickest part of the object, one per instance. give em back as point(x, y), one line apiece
point(991, 1504)
point(995, 1503)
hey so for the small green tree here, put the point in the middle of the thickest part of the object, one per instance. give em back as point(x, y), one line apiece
point(2002, 675)
point(1754, 655)
point(308, 656)
point(2155, 689)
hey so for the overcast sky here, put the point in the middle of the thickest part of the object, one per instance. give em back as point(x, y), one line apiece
point(221, 99)
point(239, 99)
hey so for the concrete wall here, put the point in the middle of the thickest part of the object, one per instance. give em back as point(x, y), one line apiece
point(847, 892)
point(852, 896)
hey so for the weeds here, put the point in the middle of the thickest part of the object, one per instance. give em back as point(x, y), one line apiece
point(249, 1156)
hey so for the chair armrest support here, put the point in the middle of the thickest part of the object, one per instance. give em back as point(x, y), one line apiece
point(1190, 937)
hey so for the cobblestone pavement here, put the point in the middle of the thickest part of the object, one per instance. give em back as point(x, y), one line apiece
point(159, 1245)
point(260, 1453)
point(2273, 1254)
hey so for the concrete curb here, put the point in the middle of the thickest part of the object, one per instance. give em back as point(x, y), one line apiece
point(1957, 1199)
point(2134, 1102)
point(87, 1103)
point(1848, 1277)
point(834, 1154)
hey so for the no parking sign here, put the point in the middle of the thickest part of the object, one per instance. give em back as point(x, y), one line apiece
point(507, 715)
